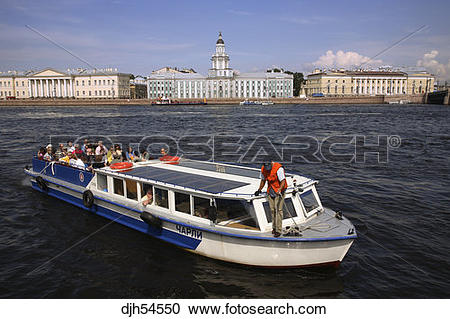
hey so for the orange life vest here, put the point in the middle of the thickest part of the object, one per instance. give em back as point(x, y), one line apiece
point(272, 178)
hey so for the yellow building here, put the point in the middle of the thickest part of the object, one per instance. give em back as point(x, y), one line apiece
point(51, 83)
point(346, 83)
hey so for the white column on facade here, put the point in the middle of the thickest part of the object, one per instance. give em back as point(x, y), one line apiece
point(41, 87)
point(64, 87)
point(370, 87)
point(70, 88)
point(29, 88)
point(376, 86)
point(401, 86)
point(35, 94)
point(396, 86)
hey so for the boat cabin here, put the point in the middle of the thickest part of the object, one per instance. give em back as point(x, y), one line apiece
point(203, 193)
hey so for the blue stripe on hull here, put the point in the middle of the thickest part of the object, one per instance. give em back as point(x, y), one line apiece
point(163, 234)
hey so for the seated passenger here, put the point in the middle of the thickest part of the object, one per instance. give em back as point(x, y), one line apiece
point(76, 162)
point(85, 145)
point(41, 153)
point(70, 147)
point(117, 155)
point(60, 151)
point(98, 161)
point(78, 150)
point(144, 155)
point(66, 158)
point(148, 198)
point(164, 152)
point(109, 155)
point(130, 154)
point(101, 149)
point(48, 156)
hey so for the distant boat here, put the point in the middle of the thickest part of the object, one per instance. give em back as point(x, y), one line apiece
point(268, 102)
point(168, 101)
point(247, 102)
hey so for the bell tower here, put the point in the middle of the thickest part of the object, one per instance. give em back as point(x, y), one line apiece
point(220, 61)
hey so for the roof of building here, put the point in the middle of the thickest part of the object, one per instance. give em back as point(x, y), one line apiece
point(220, 40)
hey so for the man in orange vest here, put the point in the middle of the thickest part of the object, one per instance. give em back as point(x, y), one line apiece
point(273, 173)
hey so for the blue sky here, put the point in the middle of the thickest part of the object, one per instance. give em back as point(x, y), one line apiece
point(141, 36)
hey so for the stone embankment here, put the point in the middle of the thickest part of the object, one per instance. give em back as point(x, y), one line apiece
point(416, 99)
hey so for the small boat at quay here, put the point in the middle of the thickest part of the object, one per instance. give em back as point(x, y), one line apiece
point(206, 208)
point(168, 101)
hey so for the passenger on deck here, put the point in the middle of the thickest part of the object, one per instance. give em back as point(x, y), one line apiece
point(101, 149)
point(41, 153)
point(163, 152)
point(78, 150)
point(60, 152)
point(98, 161)
point(65, 158)
point(109, 155)
point(144, 155)
point(77, 162)
point(70, 147)
point(85, 146)
point(48, 156)
point(148, 199)
point(117, 155)
point(130, 154)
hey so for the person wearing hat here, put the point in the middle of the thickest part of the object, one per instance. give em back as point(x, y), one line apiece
point(273, 174)
point(48, 156)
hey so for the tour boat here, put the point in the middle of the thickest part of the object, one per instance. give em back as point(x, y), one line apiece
point(207, 208)
point(247, 102)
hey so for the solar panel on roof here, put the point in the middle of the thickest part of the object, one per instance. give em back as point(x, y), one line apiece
point(188, 180)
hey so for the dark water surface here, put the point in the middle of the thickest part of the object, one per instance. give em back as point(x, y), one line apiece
point(400, 208)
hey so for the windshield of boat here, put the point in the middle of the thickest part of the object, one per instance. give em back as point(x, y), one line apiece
point(236, 214)
point(309, 201)
point(288, 210)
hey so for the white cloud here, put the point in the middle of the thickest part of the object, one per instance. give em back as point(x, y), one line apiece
point(344, 60)
point(430, 63)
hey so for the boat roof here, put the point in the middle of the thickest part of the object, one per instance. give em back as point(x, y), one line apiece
point(208, 177)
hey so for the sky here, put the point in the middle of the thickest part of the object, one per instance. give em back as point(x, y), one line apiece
point(141, 36)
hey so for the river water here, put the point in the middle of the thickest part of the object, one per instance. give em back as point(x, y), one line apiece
point(400, 207)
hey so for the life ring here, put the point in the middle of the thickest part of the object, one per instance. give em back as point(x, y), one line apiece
point(42, 183)
point(88, 199)
point(174, 160)
point(122, 166)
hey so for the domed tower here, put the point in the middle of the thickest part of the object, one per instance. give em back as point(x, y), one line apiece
point(220, 61)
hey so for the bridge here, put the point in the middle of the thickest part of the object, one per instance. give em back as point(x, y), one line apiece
point(438, 97)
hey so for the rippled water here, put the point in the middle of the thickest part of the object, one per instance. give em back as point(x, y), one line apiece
point(400, 208)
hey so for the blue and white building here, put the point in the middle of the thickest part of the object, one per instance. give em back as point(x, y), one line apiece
point(221, 82)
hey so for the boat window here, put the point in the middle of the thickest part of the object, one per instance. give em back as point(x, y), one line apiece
point(183, 203)
point(236, 213)
point(118, 186)
point(201, 207)
point(131, 189)
point(161, 197)
point(309, 201)
point(288, 210)
point(102, 183)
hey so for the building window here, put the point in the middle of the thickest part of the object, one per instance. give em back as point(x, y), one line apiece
point(95, 82)
point(78, 93)
point(77, 82)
